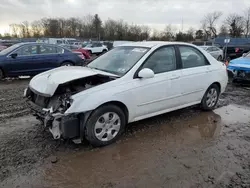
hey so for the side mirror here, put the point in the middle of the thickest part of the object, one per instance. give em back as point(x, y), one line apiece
point(146, 73)
point(13, 55)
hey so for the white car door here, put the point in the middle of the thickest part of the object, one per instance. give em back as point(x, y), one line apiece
point(161, 92)
point(99, 48)
point(196, 74)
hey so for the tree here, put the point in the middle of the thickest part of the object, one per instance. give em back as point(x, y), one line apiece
point(168, 33)
point(36, 28)
point(26, 29)
point(199, 34)
point(223, 31)
point(14, 28)
point(235, 23)
point(247, 23)
point(97, 25)
point(209, 23)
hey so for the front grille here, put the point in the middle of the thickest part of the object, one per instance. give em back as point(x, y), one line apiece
point(38, 99)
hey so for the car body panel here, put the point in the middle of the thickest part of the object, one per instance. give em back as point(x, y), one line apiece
point(239, 69)
point(214, 51)
point(143, 98)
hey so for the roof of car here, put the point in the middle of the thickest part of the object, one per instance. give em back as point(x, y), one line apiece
point(150, 44)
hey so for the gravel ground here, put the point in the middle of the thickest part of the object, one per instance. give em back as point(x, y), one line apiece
point(185, 148)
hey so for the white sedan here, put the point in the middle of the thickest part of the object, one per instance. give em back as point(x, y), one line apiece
point(129, 83)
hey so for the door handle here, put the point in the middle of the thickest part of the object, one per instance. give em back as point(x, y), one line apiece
point(174, 77)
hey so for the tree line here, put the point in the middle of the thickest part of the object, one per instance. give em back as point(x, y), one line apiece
point(91, 26)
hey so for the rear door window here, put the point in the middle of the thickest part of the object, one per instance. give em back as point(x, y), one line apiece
point(192, 57)
point(45, 49)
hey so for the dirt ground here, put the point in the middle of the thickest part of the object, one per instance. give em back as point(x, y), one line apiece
point(185, 148)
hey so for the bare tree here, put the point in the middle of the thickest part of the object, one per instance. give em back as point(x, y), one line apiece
point(36, 28)
point(223, 30)
point(168, 33)
point(235, 23)
point(247, 23)
point(14, 28)
point(209, 23)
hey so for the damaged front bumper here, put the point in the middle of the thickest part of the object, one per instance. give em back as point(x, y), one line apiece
point(60, 125)
point(239, 75)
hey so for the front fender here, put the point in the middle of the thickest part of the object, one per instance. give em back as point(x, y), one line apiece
point(90, 103)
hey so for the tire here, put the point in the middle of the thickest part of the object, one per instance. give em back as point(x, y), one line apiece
point(219, 58)
point(1, 74)
point(104, 51)
point(100, 131)
point(210, 98)
point(67, 64)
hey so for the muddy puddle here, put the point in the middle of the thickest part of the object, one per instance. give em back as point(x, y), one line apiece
point(194, 152)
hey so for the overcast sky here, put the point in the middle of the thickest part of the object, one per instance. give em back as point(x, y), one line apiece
point(155, 13)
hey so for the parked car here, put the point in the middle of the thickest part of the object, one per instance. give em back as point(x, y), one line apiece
point(73, 48)
point(33, 58)
point(216, 52)
point(2, 47)
point(235, 51)
point(96, 48)
point(239, 69)
point(129, 83)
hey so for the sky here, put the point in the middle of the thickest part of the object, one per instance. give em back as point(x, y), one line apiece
point(154, 13)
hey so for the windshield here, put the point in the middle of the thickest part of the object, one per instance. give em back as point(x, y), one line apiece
point(89, 45)
point(10, 49)
point(119, 60)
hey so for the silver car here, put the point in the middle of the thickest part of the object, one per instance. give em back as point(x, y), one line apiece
point(216, 52)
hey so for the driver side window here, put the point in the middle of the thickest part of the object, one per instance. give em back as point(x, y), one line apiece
point(162, 60)
point(27, 50)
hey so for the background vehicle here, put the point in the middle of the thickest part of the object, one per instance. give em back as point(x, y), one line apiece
point(239, 69)
point(74, 48)
point(216, 52)
point(129, 83)
point(96, 48)
point(235, 51)
point(33, 58)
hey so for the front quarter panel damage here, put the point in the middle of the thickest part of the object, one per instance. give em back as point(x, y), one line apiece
point(54, 112)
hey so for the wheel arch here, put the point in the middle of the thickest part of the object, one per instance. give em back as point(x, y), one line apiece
point(120, 105)
point(218, 84)
point(69, 61)
point(4, 73)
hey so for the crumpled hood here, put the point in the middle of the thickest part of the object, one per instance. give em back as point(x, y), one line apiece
point(46, 83)
point(242, 63)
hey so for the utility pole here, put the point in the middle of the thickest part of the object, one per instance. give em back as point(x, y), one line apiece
point(182, 24)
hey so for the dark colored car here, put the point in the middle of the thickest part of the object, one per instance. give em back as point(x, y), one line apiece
point(24, 59)
point(236, 51)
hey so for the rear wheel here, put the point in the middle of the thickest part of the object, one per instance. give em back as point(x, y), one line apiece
point(66, 64)
point(210, 98)
point(105, 125)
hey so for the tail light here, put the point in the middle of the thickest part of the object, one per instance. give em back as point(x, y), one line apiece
point(81, 56)
point(237, 50)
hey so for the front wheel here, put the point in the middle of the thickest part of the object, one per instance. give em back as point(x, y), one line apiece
point(66, 64)
point(105, 125)
point(210, 98)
